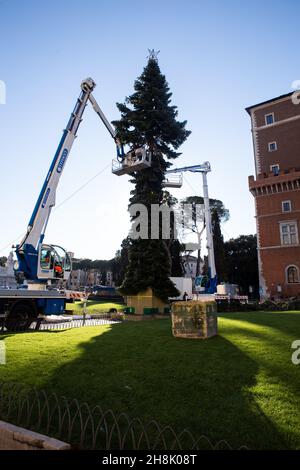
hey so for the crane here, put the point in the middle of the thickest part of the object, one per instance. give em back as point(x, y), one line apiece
point(209, 283)
point(42, 263)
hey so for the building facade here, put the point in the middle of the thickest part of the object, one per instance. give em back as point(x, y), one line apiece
point(77, 279)
point(80, 278)
point(275, 126)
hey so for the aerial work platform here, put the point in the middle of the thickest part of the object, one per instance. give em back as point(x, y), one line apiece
point(173, 180)
point(135, 160)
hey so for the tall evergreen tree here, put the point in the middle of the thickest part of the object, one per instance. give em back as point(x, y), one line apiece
point(121, 260)
point(148, 118)
point(174, 246)
point(219, 249)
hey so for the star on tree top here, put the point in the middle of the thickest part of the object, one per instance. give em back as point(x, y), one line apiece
point(153, 54)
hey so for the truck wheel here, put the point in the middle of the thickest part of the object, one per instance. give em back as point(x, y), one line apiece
point(20, 317)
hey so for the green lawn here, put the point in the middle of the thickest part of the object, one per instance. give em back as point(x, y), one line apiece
point(93, 306)
point(240, 386)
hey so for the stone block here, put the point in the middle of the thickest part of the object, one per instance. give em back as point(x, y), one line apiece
point(194, 319)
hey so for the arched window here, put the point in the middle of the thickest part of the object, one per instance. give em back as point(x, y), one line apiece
point(292, 275)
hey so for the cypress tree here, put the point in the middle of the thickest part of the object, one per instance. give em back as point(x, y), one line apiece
point(148, 118)
point(219, 248)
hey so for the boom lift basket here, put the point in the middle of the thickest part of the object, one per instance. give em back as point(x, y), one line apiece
point(134, 160)
point(173, 180)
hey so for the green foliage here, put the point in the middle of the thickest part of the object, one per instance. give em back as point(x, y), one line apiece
point(3, 260)
point(174, 246)
point(148, 118)
point(216, 206)
point(205, 266)
point(241, 262)
point(219, 214)
point(122, 260)
point(102, 266)
point(176, 250)
point(281, 305)
point(218, 246)
point(149, 266)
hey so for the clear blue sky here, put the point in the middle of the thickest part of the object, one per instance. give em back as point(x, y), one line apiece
point(218, 57)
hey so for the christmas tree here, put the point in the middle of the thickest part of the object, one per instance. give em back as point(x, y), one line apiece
point(148, 119)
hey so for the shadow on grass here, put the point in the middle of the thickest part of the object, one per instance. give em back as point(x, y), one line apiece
point(140, 369)
point(271, 345)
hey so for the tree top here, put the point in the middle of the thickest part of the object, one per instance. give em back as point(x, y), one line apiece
point(153, 54)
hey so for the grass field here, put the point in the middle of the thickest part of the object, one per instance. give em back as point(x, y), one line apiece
point(93, 306)
point(240, 386)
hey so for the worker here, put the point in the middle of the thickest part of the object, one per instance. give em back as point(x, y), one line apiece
point(45, 259)
point(185, 296)
point(58, 269)
point(128, 159)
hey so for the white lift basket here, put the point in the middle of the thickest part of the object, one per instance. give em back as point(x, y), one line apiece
point(173, 180)
point(136, 160)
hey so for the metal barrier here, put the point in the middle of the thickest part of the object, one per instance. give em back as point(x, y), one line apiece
point(90, 427)
point(71, 324)
point(46, 325)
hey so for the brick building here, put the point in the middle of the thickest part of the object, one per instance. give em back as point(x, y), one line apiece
point(276, 189)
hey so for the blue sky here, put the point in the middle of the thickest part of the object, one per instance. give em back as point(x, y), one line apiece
point(218, 57)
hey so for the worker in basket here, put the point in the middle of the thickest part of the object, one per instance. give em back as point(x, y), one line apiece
point(58, 269)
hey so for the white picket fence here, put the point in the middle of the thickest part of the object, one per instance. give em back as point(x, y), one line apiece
point(61, 325)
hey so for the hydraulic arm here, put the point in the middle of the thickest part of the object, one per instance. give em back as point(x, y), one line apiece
point(205, 168)
point(40, 262)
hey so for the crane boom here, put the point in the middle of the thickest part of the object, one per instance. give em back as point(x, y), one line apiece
point(31, 262)
point(111, 130)
point(46, 200)
point(204, 168)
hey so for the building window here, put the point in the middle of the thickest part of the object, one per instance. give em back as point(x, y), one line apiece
point(286, 206)
point(288, 233)
point(272, 146)
point(292, 275)
point(275, 169)
point(269, 119)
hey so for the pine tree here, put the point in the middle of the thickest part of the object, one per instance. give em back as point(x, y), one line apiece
point(148, 118)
